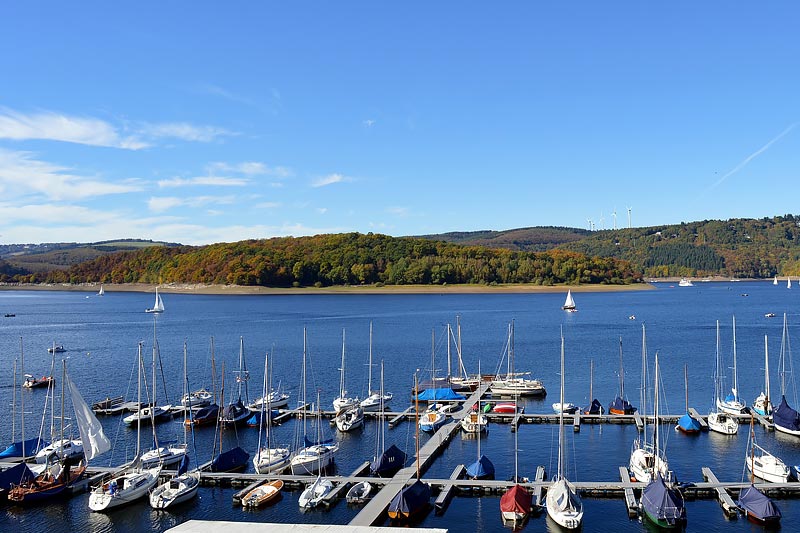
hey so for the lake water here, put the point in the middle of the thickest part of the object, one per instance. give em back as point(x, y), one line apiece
point(101, 335)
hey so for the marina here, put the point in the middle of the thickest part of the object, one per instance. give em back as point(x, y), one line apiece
point(708, 466)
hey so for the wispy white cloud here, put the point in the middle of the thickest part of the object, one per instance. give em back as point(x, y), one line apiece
point(249, 168)
point(368, 123)
point(54, 214)
point(183, 131)
point(330, 179)
point(53, 126)
point(46, 125)
point(159, 204)
point(22, 175)
point(322, 210)
point(398, 211)
point(268, 205)
point(752, 156)
point(217, 181)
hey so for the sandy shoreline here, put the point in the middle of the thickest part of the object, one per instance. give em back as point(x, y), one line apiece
point(190, 288)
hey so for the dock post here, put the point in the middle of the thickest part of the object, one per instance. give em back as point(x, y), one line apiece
point(576, 423)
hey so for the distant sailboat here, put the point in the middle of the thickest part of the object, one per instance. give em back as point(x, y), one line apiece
point(158, 306)
point(788, 282)
point(101, 292)
point(569, 303)
point(775, 281)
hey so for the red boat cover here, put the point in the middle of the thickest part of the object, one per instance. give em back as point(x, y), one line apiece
point(516, 500)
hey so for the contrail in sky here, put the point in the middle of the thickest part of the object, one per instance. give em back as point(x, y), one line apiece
point(752, 156)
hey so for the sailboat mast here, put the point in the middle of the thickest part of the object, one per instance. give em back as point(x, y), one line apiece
point(139, 364)
point(63, 373)
point(305, 400)
point(416, 420)
point(644, 386)
point(511, 350)
point(621, 373)
point(655, 403)
point(591, 381)
point(369, 379)
point(341, 376)
point(264, 393)
point(717, 374)
point(686, 385)
point(461, 369)
point(561, 415)
point(766, 374)
point(735, 377)
point(449, 366)
point(22, 396)
point(14, 404)
point(213, 372)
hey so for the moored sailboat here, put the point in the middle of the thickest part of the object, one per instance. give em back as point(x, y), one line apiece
point(786, 419)
point(753, 502)
point(268, 459)
point(763, 404)
point(663, 505)
point(515, 504)
point(620, 405)
point(387, 461)
point(732, 403)
point(718, 420)
point(563, 503)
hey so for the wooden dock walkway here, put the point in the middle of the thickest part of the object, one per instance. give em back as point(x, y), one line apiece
point(446, 493)
point(725, 501)
point(398, 417)
point(769, 426)
point(630, 498)
point(538, 487)
point(700, 418)
point(377, 506)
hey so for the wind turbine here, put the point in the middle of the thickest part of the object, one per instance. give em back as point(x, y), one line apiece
point(614, 214)
point(589, 223)
point(629, 217)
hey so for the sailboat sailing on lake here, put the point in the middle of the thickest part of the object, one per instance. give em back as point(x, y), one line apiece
point(569, 303)
point(158, 306)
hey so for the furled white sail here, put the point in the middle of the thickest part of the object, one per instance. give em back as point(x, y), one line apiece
point(94, 440)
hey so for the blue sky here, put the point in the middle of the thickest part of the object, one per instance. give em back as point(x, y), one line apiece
point(200, 122)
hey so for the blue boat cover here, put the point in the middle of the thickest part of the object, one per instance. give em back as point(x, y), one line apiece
point(387, 465)
point(688, 424)
point(206, 413)
point(308, 442)
point(411, 499)
point(786, 417)
point(621, 405)
point(440, 394)
point(234, 411)
point(663, 504)
point(595, 409)
point(184, 466)
point(731, 397)
point(758, 504)
point(481, 469)
point(230, 461)
point(16, 475)
point(31, 447)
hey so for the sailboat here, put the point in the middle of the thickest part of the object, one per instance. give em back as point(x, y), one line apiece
point(343, 401)
point(182, 487)
point(233, 460)
point(373, 400)
point(764, 465)
point(687, 423)
point(569, 303)
point(564, 505)
point(732, 403)
point(58, 476)
point(101, 292)
point(476, 421)
point(131, 482)
point(158, 306)
point(387, 461)
point(513, 384)
point(755, 504)
point(762, 404)
point(595, 407)
point(718, 420)
point(236, 413)
point(268, 459)
point(645, 462)
point(663, 505)
point(315, 455)
point(482, 468)
point(775, 281)
point(414, 498)
point(621, 405)
point(208, 414)
point(170, 453)
point(515, 504)
point(433, 418)
point(25, 447)
point(788, 282)
point(785, 418)
point(314, 493)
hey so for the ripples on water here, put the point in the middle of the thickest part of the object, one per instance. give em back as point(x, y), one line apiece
point(101, 336)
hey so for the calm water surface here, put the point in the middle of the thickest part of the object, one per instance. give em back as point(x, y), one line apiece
point(101, 335)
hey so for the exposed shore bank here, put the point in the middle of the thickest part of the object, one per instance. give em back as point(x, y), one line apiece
point(192, 288)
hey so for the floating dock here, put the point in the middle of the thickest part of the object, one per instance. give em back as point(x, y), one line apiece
point(725, 501)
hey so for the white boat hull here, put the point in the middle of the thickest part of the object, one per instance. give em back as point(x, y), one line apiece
point(271, 460)
point(768, 467)
point(373, 402)
point(563, 505)
point(122, 489)
point(175, 491)
point(311, 460)
point(722, 423)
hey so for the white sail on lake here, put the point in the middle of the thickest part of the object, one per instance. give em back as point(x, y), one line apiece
point(569, 303)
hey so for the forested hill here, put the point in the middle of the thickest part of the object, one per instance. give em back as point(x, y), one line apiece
point(340, 259)
point(742, 248)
